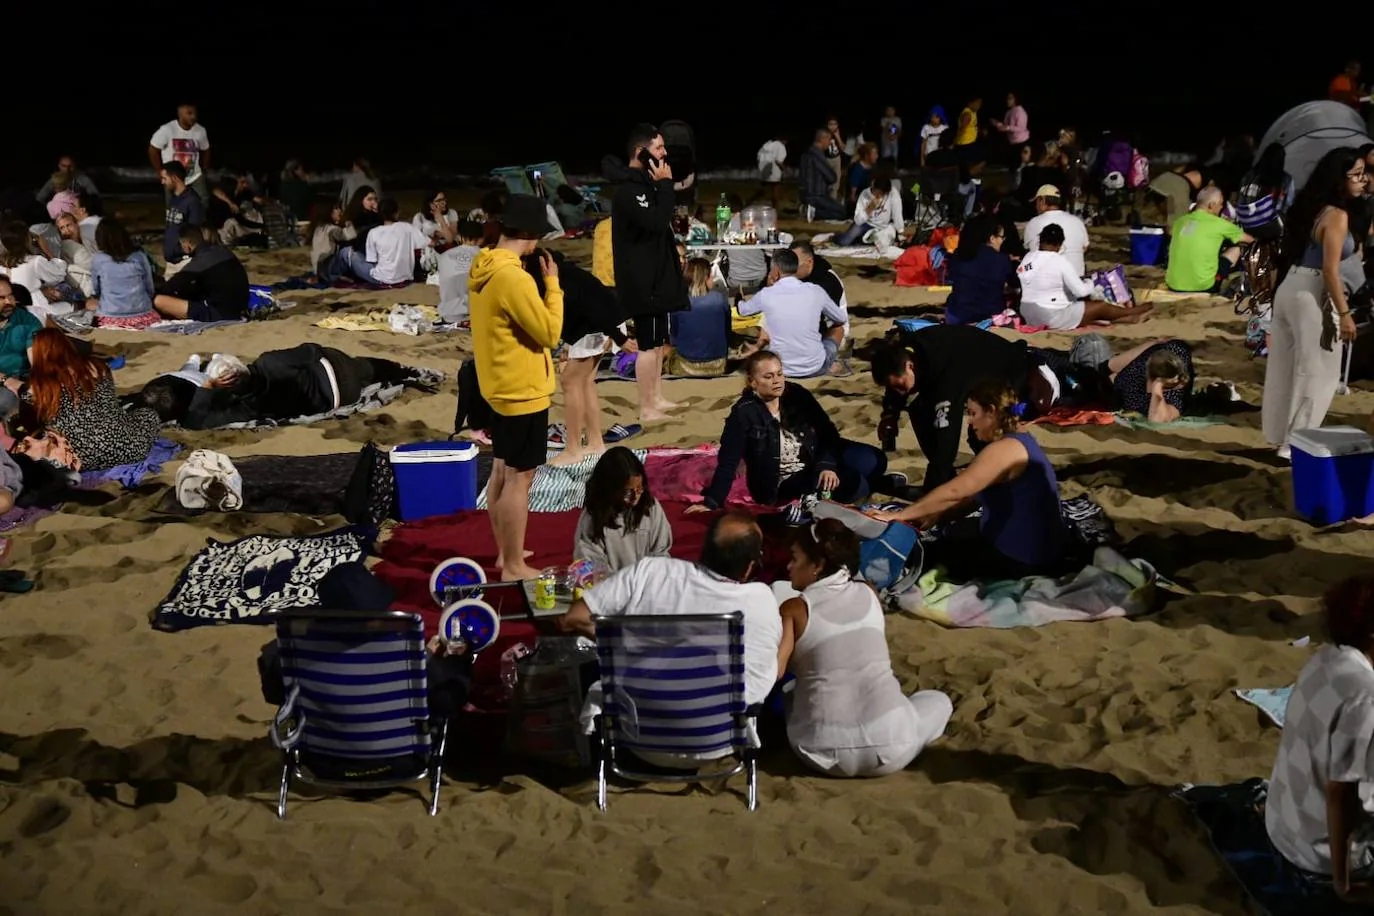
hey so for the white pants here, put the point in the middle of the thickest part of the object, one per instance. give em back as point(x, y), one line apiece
point(1304, 364)
point(930, 713)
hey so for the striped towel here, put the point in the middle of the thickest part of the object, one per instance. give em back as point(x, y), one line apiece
point(559, 489)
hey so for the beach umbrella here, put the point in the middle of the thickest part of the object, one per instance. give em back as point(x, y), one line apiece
point(1309, 131)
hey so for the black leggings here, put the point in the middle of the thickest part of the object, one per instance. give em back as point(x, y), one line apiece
point(967, 556)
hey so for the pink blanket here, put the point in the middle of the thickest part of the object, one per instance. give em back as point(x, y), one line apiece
point(682, 475)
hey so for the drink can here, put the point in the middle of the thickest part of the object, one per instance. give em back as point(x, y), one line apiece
point(544, 599)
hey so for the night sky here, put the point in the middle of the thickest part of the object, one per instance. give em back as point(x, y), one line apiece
point(469, 94)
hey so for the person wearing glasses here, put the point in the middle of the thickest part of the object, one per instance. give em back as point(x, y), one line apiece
point(621, 521)
point(978, 273)
point(436, 222)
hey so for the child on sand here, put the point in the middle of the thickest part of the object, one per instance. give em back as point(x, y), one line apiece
point(621, 521)
point(513, 332)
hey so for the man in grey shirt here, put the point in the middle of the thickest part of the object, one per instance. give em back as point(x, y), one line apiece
point(80, 181)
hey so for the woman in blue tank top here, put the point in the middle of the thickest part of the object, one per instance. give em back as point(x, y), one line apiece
point(1021, 531)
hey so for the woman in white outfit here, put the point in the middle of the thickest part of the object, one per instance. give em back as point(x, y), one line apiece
point(1311, 316)
point(1054, 296)
point(846, 715)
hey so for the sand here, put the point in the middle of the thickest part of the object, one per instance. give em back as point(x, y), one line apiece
point(135, 775)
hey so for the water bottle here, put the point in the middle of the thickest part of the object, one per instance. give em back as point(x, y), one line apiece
point(722, 218)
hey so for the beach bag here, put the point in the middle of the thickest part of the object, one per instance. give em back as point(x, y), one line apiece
point(1112, 283)
point(914, 267)
point(370, 497)
point(886, 560)
point(1139, 175)
point(209, 480)
point(624, 364)
point(543, 720)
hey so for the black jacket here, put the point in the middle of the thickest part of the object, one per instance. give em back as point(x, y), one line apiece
point(281, 385)
point(752, 436)
point(589, 306)
point(815, 173)
point(648, 277)
point(214, 276)
point(948, 359)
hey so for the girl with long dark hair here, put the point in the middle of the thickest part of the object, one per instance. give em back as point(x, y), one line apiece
point(978, 273)
point(621, 521)
point(1311, 317)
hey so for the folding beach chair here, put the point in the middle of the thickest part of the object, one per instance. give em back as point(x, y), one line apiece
point(551, 174)
point(673, 684)
point(356, 714)
point(516, 178)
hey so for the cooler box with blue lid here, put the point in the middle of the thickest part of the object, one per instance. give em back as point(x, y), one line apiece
point(435, 478)
point(1147, 245)
point(1333, 474)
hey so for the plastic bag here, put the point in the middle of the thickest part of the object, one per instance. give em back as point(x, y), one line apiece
point(407, 319)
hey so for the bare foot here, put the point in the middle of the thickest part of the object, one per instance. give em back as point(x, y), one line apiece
point(661, 404)
point(516, 573)
point(1136, 315)
point(652, 416)
point(569, 457)
point(524, 555)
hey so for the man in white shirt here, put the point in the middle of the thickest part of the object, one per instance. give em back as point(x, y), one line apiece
point(878, 210)
point(1048, 202)
point(792, 312)
point(76, 253)
point(183, 140)
point(720, 583)
point(391, 247)
point(771, 157)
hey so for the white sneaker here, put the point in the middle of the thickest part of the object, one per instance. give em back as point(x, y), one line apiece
point(1285, 452)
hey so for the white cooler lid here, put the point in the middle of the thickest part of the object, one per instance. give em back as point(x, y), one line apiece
point(1148, 230)
point(1333, 441)
point(459, 451)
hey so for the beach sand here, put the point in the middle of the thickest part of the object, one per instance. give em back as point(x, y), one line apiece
point(136, 776)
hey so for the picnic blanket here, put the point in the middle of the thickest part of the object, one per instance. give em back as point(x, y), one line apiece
point(1111, 586)
point(131, 475)
point(372, 397)
point(1233, 816)
point(1074, 416)
point(1137, 421)
point(399, 319)
point(674, 474)
point(248, 580)
point(1272, 702)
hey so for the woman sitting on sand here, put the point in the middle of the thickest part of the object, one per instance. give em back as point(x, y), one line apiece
point(1055, 297)
point(363, 216)
point(25, 267)
point(75, 395)
point(701, 334)
point(436, 221)
point(789, 446)
point(122, 280)
point(621, 521)
point(1021, 530)
point(326, 234)
point(847, 715)
point(978, 273)
point(1315, 815)
point(1154, 379)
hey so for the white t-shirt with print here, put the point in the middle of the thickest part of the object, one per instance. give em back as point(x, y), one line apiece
point(183, 145)
point(930, 136)
point(391, 248)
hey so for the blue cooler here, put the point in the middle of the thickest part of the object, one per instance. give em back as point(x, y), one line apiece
point(1333, 474)
point(1147, 245)
point(435, 478)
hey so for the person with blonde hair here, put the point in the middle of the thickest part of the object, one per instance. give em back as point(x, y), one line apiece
point(1020, 531)
point(701, 334)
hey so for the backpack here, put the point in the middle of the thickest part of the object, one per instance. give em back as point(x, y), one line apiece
point(885, 561)
point(914, 268)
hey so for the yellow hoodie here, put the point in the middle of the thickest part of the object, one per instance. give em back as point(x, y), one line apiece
point(513, 332)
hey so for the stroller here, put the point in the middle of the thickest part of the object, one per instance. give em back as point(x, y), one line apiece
point(681, 144)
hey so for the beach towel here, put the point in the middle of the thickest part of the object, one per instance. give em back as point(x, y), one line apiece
point(862, 252)
point(248, 580)
point(302, 281)
point(908, 325)
point(1111, 586)
point(372, 397)
point(1233, 816)
point(1073, 416)
point(131, 475)
point(1273, 703)
point(399, 319)
point(1137, 421)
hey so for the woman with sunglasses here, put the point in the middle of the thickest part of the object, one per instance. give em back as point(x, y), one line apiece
point(621, 521)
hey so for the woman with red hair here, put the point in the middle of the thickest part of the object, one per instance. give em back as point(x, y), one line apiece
point(75, 395)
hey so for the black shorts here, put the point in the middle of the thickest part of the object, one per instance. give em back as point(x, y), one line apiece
point(651, 331)
point(521, 442)
point(200, 310)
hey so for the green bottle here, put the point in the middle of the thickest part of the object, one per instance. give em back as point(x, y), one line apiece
point(722, 218)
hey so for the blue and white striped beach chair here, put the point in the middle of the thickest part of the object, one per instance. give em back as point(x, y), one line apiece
point(673, 684)
point(356, 714)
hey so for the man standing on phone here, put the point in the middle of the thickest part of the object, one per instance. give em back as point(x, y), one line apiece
point(648, 274)
point(513, 331)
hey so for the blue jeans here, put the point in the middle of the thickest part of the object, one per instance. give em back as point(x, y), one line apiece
point(831, 349)
point(851, 235)
point(356, 263)
point(826, 208)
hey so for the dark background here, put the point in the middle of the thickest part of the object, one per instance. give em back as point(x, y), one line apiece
point(452, 89)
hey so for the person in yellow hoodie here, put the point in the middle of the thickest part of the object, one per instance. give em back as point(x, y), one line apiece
point(513, 332)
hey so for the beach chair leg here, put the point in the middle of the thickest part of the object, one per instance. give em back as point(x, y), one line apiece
point(751, 767)
point(601, 783)
point(436, 768)
point(285, 788)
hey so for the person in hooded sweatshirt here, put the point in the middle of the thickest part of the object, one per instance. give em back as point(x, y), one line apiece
point(513, 332)
point(648, 274)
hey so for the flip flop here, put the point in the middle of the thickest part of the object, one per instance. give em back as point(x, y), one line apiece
point(620, 432)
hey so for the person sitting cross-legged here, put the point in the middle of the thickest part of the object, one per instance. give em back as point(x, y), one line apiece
point(213, 286)
point(792, 312)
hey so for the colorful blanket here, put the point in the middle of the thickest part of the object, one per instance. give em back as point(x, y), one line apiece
point(247, 580)
point(1273, 703)
point(1111, 586)
point(1234, 819)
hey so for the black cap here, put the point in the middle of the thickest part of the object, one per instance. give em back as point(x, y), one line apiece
point(525, 214)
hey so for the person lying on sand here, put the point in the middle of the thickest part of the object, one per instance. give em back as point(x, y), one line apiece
point(928, 373)
point(1315, 815)
point(789, 446)
point(1021, 530)
point(847, 715)
point(279, 385)
point(621, 522)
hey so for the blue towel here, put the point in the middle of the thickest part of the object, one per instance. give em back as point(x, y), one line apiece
point(1273, 703)
point(131, 475)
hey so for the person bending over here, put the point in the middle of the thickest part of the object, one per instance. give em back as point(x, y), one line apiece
point(621, 521)
point(1054, 296)
point(789, 446)
point(213, 286)
point(1021, 530)
point(847, 715)
point(514, 330)
point(928, 373)
point(1315, 815)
